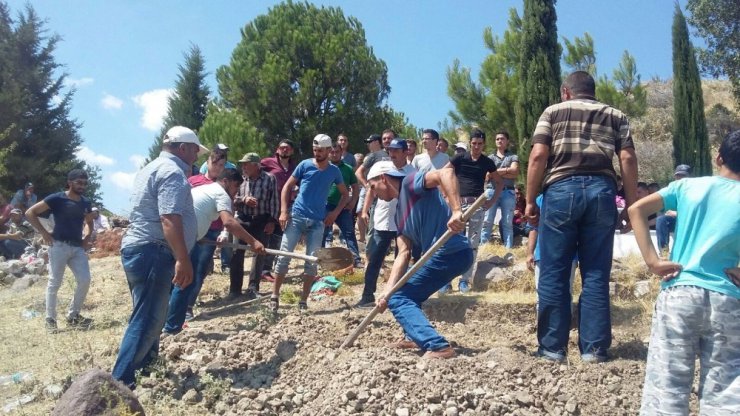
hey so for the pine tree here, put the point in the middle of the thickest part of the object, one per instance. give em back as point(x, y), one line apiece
point(38, 138)
point(187, 106)
point(690, 138)
point(539, 70)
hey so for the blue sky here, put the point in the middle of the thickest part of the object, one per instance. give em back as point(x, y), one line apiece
point(122, 56)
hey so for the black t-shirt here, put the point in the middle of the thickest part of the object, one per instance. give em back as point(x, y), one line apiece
point(69, 216)
point(471, 175)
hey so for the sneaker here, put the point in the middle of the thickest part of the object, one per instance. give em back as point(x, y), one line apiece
point(274, 304)
point(445, 289)
point(443, 354)
point(51, 325)
point(251, 294)
point(189, 315)
point(79, 321)
point(550, 356)
point(302, 306)
point(365, 304)
point(359, 264)
point(233, 296)
point(593, 358)
point(464, 287)
point(225, 270)
point(404, 344)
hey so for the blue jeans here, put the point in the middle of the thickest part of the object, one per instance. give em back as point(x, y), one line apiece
point(12, 249)
point(149, 270)
point(507, 203)
point(578, 216)
point(664, 225)
point(347, 227)
point(405, 304)
point(377, 248)
point(299, 226)
point(181, 299)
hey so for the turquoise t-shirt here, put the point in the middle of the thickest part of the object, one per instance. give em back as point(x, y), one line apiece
point(707, 234)
point(313, 191)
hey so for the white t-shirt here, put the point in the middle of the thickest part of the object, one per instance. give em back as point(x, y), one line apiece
point(423, 163)
point(208, 201)
point(385, 211)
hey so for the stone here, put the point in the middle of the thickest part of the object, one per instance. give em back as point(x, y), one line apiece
point(435, 409)
point(192, 396)
point(642, 288)
point(451, 411)
point(22, 284)
point(286, 350)
point(402, 411)
point(524, 399)
point(95, 392)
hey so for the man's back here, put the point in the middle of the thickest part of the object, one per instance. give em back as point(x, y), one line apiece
point(583, 136)
point(707, 238)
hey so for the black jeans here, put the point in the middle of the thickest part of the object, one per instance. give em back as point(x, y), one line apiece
point(255, 227)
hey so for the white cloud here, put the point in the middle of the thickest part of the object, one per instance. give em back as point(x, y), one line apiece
point(125, 180)
point(92, 158)
point(111, 102)
point(154, 104)
point(77, 83)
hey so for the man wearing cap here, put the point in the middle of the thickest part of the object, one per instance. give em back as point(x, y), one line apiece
point(155, 251)
point(376, 154)
point(281, 166)
point(432, 159)
point(384, 230)
point(473, 169)
point(422, 217)
point(461, 148)
point(258, 205)
point(71, 211)
point(24, 198)
point(507, 166)
point(345, 219)
point(100, 221)
point(665, 223)
point(17, 237)
point(210, 201)
point(219, 151)
point(347, 157)
point(308, 216)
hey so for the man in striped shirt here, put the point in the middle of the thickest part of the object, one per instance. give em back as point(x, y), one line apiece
point(571, 160)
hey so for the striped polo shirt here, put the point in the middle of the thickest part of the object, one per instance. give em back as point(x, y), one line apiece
point(583, 136)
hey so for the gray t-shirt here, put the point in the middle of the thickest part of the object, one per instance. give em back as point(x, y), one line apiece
point(160, 188)
point(423, 163)
point(504, 162)
point(374, 157)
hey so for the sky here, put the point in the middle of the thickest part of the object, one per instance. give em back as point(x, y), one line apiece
point(122, 57)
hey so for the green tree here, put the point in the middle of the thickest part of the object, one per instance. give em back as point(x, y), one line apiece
point(187, 105)
point(38, 137)
point(300, 70)
point(228, 126)
point(580, 54)
point(489, 104)
point(539, 70)
point(690, 138)
point(625, 90)
point(717, 22)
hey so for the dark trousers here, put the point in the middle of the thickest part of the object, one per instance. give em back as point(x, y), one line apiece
point(255, 227)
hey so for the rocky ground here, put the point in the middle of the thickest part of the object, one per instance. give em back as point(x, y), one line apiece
point(243, 360)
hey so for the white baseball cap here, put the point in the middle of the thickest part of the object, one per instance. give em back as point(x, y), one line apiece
point(180, 134)
point(384, 167)
point(461, 145)
point(322, 140)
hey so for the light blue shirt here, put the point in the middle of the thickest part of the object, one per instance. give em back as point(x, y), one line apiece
point(707, 236)
point(160, 188)
point(204, 167)
point(313, 191)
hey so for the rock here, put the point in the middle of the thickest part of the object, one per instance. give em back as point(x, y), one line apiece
point(22, 284)
point(435, 409)
point(524, 399)
point(451, 411)
point(286, 350)
point(14, 267)
point(571, 407)
point(36, 267)
point(402, 411)
point(642, 288)
point(53, 391)
point(93, 393)
point(192, 396)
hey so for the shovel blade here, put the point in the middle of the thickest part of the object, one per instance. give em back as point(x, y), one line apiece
point(334, 258)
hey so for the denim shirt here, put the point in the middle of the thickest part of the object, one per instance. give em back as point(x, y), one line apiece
point(160, 188)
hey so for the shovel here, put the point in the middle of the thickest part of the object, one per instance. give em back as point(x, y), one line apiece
point(330, 259)
point(402, 281)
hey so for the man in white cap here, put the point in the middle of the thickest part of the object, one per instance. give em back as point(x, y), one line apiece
point(308, 216)
point(422, 217)
point(155, 249)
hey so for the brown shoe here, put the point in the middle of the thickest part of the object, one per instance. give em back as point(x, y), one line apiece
point(444, 353)
point(404, 344)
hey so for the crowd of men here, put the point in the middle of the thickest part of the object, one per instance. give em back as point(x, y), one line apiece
point(570, 210)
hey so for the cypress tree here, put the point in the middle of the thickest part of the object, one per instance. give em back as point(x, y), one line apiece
point(690, 138)
point(539, 71)
point(187, 106)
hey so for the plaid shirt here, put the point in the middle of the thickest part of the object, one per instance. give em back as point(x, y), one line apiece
point(265, 190)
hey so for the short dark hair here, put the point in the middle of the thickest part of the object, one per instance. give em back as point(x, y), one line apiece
point(729, 151)
point(232, 175)
point(75, 174)
point(443, 140)
point(390, 131)
point(477, 133)
point(288, 142)
point(654, 185)
point(503, 133)
point(217, 154)
point(432, 132)
point(642, 185)
point(580, 83)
